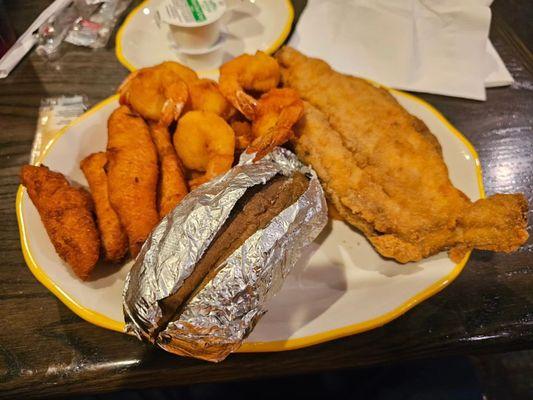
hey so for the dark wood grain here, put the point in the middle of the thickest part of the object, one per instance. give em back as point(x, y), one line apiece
point(46, 350)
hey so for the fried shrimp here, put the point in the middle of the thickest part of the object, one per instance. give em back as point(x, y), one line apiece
point(276, 113)
point(206, 96)
point(132, 173)
point(172, 184)
point(113, 235)
point(158, 93)
point(204, 142)
point(243, 134)
point(258, 73)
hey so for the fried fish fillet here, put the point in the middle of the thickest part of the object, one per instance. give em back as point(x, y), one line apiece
point(114, 238)
point(67, 215)
point(383, 170)
point(132, 173)
point(172, 182)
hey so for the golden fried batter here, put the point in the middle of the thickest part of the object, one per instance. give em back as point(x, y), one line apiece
point(276, 113)
point(67, 215)
point(496, 224)
point(158, 93)
point(384, 172)
point(204, 142)
point(113, 235)
point(172, 183)
point(243, 134)
point(132, 173)
point(205, 96)
point(257, 73)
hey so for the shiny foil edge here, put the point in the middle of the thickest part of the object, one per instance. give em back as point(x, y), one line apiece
point(219, 317)
point(184, 235)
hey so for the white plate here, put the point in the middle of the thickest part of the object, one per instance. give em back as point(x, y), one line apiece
point(340, 287)
point(249, 26)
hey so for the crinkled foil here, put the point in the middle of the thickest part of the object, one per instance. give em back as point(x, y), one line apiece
point(217, 319)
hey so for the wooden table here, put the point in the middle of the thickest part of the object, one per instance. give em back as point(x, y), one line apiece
point(47, 350)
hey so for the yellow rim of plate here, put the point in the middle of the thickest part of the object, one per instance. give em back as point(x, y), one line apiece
point(269, 50)
point(282, 345)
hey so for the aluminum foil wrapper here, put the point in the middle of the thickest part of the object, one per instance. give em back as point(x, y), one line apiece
point(216, 320)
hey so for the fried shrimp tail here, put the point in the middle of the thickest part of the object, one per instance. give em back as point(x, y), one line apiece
point(113, 235)
point(176, 97)
point(158, 93)
point(257, 73)
point(243, 134)
point(204, 142)
point(172, 182)
point(132, 172)
point(277, 112)
point(66, 213)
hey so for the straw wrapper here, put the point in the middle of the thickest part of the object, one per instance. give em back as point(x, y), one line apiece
point(218, 318)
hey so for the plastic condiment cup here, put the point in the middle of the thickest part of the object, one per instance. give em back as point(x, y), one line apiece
point(194, 24)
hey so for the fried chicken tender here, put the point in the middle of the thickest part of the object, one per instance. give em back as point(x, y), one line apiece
point(67, 215)
point(113, 235)
point(384, 172)
point(132, 173)
point(172, 183)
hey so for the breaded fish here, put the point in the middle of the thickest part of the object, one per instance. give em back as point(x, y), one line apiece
point(172, 182)
point(132, 173)
point(67, 215)
point(383, 170)
point(114, 238)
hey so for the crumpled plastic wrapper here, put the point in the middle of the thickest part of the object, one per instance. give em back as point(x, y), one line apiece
point(215, 321)
point(54, 114)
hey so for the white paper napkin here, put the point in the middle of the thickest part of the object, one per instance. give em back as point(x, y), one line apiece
point(432, 46)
